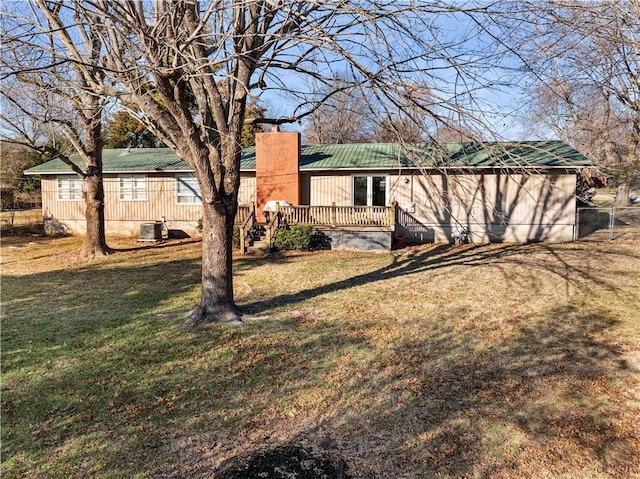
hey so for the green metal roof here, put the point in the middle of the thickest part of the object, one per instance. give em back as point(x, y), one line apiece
point(528, 154)
point(444, 155)
point(122, 160)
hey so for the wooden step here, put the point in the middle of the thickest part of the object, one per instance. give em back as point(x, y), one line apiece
point(258, 247)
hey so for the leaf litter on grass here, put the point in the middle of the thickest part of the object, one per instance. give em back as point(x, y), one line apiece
point(499, 361)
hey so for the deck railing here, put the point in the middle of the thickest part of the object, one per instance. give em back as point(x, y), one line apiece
point(271, 229)
point(244, 211)
point(245, 226)
point(328, 215)
point(339, 216)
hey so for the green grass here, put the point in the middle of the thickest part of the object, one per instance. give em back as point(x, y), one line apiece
point(471, 361)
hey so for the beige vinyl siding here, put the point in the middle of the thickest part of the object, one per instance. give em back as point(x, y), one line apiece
point(124, 216)
point(161, 202)
point(491, 198)
point(327, 188)
point(247, 190)
point(508, 207)
point(330, 188)
point(490, 206)
point(51, 207)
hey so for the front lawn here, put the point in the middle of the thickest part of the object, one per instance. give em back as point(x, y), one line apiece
point(512, 361)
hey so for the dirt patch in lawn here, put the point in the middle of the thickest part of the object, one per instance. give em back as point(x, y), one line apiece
point(285, 462)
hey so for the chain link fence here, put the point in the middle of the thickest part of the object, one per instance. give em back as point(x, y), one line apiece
point(603, 224)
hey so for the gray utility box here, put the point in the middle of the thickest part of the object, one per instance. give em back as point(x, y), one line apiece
point(151, 231)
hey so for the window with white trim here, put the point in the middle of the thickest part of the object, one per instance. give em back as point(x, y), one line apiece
point(69, 188)
point(133, 188)
point(188, 190)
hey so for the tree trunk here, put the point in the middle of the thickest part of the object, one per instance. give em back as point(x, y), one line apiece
point(94, 242)
point(216, 295)
point(622, 194)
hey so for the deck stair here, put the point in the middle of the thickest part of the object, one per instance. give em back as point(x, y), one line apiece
point(257, 242)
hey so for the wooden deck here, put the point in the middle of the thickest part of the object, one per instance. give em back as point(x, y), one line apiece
point(339, 217)
point(334, 216)
point(342, 216)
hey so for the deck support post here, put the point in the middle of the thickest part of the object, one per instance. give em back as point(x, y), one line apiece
point(334, 219)
point(393, 213)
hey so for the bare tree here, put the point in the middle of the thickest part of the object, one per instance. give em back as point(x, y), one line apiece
point(585, 57)
point(51, 80)
point(166, 57)
point(349, 112)
point(342, 117)
point(409, 118)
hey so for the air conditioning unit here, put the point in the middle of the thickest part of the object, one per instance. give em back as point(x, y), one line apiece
point(151, 231)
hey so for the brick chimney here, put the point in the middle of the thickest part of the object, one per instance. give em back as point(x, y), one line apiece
point(277, 173)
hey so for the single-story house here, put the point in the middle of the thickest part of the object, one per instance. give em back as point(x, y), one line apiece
point(478, 192)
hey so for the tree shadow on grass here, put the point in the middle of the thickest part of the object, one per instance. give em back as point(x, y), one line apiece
point(160, 244)
point(123, 394)
point(546, 399)
point(501, 257)
point(537, 398)
point(543, 400)
point(64, 307)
